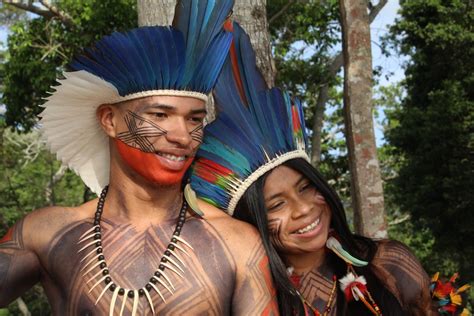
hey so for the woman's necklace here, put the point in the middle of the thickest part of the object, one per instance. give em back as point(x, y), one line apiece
point(160, 279)
point(328, 307)
point(296, 280)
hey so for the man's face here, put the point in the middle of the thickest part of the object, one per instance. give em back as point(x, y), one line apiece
point(158, 136)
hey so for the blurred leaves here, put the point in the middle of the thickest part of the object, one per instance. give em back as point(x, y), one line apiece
point(39, 48)
point(431, 132)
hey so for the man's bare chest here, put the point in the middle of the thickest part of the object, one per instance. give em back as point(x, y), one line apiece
point(138, 271)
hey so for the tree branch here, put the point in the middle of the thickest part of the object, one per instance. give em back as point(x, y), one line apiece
point(63, 16)
point(282, 10)
point(30, 8)
point(399, 220)
point(376, 10)
point(22, 307)
point(54, 180)
point(49, 14)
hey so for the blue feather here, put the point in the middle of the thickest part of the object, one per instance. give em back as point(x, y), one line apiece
point(154, 58)
point(201, 21)
point(246, 129)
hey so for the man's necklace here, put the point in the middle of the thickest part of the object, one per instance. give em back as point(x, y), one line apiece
point(159, 282)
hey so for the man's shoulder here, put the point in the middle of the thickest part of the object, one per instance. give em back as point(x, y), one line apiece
point(42, 224)
point(234, 231)
point(57, 215)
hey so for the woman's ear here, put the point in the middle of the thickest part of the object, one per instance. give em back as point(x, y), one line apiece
point(107, 115)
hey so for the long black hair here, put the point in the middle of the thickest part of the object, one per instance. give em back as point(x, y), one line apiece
point(251, 208)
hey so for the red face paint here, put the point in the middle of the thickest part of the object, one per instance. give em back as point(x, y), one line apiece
point(151, 166)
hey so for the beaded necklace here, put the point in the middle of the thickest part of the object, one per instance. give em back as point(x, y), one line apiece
point(328, 307)
point(170, 260)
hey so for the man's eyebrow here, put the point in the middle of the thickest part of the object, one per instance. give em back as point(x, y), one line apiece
point(160, 106)
point(170, 108)
point(198, 111)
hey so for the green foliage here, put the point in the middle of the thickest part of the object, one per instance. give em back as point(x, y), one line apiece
point(302, 39)
point(9, 15)
point(26, 169)
point(39, 49)
point(432, 132)
point(36, 301)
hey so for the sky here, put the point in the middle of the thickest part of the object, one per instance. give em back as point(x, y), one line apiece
point(392, 70)
point(378, 29)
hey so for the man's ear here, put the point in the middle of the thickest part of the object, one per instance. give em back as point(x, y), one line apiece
point(107, 115)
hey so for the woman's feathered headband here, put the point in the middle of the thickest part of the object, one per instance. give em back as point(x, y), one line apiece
point(184, 60)
point(256, 129)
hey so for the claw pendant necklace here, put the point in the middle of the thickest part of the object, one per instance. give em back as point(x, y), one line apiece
point(160, 280)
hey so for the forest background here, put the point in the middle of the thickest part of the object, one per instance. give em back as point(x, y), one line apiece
point(425, 151)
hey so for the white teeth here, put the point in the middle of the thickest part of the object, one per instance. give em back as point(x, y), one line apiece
point(172, 157)
point(310, 227)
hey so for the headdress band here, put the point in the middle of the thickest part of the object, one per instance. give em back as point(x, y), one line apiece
point(165, 92)
point(275, 162)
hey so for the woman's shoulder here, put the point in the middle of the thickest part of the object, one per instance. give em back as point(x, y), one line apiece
point(389, 250)
point(403, 275)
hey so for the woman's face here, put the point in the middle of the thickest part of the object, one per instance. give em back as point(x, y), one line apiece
point(298, 216)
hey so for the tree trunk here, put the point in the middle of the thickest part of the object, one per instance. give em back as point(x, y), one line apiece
point(252, 16)
point(318, 124)
point(366, 183)
point(152, 12)
point(333, 69)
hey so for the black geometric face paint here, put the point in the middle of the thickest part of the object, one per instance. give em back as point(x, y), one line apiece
point(274, 226)
point(140, 132)
point(197, 133)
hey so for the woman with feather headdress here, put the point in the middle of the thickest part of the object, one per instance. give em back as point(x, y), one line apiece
point(253, 164)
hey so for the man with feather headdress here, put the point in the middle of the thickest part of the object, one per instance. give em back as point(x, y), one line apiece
point(128, 118)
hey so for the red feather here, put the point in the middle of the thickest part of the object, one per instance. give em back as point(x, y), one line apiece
point(443, 289)
point(295, 119)
point(348, 290)
point(205, 174)
point(217, 168)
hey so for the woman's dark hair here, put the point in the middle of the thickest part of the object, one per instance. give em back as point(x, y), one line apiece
point(251, 208)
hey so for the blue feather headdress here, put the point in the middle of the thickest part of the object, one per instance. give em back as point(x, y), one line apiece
point(256, 130)
point(180, 60)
